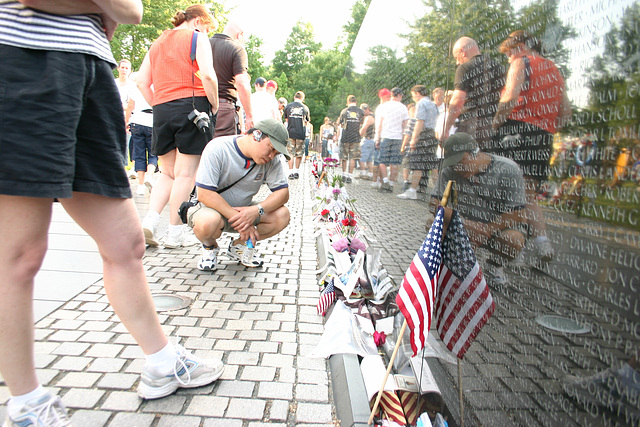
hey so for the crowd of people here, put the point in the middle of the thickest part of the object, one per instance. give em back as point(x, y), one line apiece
point(191, 115)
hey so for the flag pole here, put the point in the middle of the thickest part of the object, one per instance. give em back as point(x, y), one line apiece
point(460, 393)
point(443, 203)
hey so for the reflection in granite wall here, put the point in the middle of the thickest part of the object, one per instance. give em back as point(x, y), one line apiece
point(562, 347)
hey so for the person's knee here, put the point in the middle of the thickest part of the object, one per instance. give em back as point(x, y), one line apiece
point(281, 218)
point(28, 259)
point(207, 225)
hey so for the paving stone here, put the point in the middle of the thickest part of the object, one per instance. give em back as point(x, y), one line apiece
point(277, 360)
point(179, 421)
point(106, 365)
point(173, 404)
point(208, 406)
point(225, 422)
point(82, 398)
point(70, 348)
point(275, 390)
point(258, 373)
point(122, 401)
point(243, 358)
point(247, 409)
point(91, 418)
point(78, 379)
point(104, 350)
point(118, 381)
point(313, 413)
point(279, 410)
point(235, 388)
point(126, 419)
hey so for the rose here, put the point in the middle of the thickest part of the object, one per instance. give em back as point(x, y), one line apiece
point(352, 222)
point(345, 222)
point(325, 212)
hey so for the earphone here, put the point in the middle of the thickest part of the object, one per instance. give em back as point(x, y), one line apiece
point(257, 135)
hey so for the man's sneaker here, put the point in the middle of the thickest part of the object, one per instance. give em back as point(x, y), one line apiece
point(544, 250)
point(140, 191)
point(386, 187)
point(47, 411)
point(184, 238)
point(410, 194)
point(296, 176)
point(346, 179)
point(376, 185)
point(240, 253)
point(149, 228)
point(405, 186)
point(208, 259)
point(292, 176)
point(188, 372)
point(497, 276)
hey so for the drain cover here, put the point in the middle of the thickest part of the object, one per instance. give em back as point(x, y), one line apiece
point(561, 324)
point(168, 302)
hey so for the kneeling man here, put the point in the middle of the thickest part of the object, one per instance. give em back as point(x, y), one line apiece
point(231, 171)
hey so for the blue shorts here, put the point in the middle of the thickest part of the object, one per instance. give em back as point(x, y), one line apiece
point(61, 125)
point(141, 147)
point(366, 150)
point(390, 152)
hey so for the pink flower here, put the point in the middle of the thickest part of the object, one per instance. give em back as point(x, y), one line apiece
point(379, 338)
point(341, 245)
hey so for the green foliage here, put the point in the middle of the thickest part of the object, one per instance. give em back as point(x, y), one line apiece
point(298, 50)
point(133, 41)
point(256, 66)
point(352, 28)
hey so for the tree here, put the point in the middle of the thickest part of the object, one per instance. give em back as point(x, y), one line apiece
point(298, 50)
point(431, 39)
point(132, 41)
point(256, 66)
point(352, 28)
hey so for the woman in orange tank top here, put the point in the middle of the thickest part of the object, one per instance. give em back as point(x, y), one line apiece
point(178, 80)
point(532, 107)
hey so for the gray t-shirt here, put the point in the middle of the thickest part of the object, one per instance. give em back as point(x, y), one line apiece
point(487, 195)
point(223, 163)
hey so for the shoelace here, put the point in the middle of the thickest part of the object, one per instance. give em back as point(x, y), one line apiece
point(182, 355)
point(48, 416)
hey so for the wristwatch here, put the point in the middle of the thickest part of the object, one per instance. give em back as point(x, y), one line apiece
point(260, 210)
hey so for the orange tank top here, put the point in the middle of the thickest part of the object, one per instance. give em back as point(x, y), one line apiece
point(540, 101)
point(172, 68)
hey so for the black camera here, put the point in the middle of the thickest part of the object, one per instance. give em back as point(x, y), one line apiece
point(201, 120)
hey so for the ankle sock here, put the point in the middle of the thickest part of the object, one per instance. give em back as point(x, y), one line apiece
point(17, 402)
point(164, 360)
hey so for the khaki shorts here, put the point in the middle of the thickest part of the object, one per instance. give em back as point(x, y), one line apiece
point(194, 211)
point(350, 151)
point(296, 147)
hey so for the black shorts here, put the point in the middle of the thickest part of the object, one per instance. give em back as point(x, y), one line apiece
point(61, 125)
point(527, 145)
point(172, 128)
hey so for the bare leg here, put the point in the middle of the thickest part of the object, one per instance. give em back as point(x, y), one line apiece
point(162, 188)
point(114, 225)
point(24, 223)
point(184, 169)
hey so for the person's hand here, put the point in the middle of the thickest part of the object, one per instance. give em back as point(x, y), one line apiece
point(108, 25)
point(244, 218)
point(248, 124)
point(250, 233)
point(412, 145)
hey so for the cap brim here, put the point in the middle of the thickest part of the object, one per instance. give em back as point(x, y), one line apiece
point(453, 159)
point(281, 147)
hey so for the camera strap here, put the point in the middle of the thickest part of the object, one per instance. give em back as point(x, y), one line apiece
point(241, 178)
point(194, 43)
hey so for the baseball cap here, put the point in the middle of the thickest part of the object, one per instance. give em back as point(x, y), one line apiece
point(397, 91)
point(277, 134)
point(272, 83)
point(364, 106)
point(455, 146)
point(384, 92)
point(261, 81)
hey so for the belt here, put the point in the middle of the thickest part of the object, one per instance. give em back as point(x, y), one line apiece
point(227, 101)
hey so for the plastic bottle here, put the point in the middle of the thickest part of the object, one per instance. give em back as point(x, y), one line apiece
point(247, 256)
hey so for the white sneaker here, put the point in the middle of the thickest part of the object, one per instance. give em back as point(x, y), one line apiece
point(188, 372)
point(410, 194)
point(208, 259)
point(132, 174)
point(140, 191)
point(183, 239)
point(245, 255)
point(376, 185)
point(47, 411)
point(544, 250)
point(149, 228)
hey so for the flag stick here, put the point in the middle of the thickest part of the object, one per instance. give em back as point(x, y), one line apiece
point(321, 177)
point(443, 202)
point(460, 393)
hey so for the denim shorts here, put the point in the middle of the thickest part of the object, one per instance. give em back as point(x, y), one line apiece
point(390, 151)
point(61, 125)
point(141, 147)
point(367, 150)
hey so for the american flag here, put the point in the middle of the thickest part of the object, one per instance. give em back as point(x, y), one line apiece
point(463, 303)
point(418, 291)
point(327, 297)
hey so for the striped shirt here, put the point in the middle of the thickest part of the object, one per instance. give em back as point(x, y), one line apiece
point(27, 28)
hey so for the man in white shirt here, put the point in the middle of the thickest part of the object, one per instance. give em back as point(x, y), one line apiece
point(263, 104)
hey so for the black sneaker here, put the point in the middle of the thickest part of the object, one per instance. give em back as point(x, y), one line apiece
point(292, 176)
point(296, 176)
